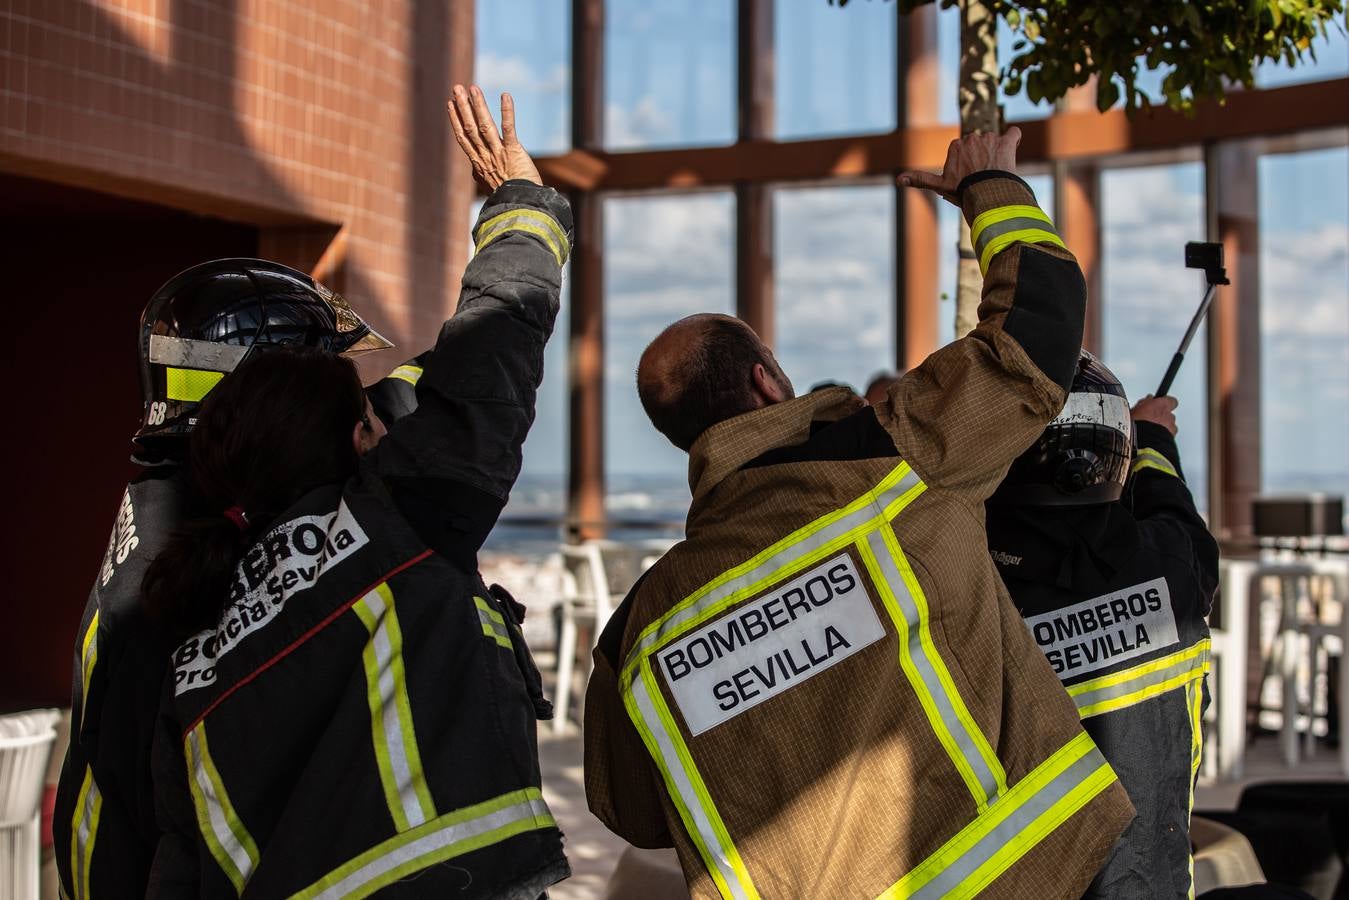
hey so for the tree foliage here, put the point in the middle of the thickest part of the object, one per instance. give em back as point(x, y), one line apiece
point(1200, 48)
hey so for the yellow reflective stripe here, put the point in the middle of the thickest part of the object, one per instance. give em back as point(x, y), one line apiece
point(88, 659)
point(1147, 458)
point(1194, 693)
point(493, 623)
point(531, 221)
point(409, 373)
point(391, 726)
point(84, 831)
point(190, 385)
point(1002, 214)
point(822, 537)
point(431, 843)
point(1142, 682)
point(220, 826)
point(1012, 827)
point(665, 745)
point(1025, 235)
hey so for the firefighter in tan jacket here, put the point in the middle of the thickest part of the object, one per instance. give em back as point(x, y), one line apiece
point(824, 691)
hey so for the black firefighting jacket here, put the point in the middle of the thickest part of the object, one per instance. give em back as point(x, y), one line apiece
point(362, 718)
point(1116, 596)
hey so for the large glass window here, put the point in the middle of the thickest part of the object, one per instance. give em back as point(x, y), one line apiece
point(1304, 321)
point(948, 229)
point(524, 47)
point(1147, 216)
point(834, 273)
point(1015, 108)
point(669, 73)
point(665, 257)
point(837, 71)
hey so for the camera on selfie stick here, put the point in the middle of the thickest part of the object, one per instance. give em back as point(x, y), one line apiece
point(1206, 255)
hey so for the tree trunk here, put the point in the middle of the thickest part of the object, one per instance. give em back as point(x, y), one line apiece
point(979, 111)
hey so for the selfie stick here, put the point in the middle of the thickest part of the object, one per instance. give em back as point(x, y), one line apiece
point(1209, 257)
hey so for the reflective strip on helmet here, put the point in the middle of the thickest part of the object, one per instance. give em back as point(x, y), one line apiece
point(797, 551)
point(88, 660)
point(395, 738)
point(995, 230)
point(409, 373)
point(922, 664)
point(84, 831)
point(431, 843)
point(649, 713)
point(1142, 682)
point(1030, 810)
point(190, 385)
point(220, 826)
point(493, 623)
point(530, 221)
point(1147, 458)
point(187, 353)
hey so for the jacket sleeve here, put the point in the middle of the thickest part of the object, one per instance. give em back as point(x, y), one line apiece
point(622, 788)
point(451, 463)
point(395, 395)
point(1161, 499)
point(175, 870)
point(972, 407)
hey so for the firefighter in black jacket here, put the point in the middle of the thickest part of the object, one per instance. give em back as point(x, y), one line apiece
point(357, 713)
point(1115, 584)
point(196, 327)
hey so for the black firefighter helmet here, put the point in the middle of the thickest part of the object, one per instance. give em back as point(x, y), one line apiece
point(1083, 456)
point(202, 323)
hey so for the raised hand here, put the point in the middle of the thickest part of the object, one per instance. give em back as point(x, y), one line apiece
point(972, 153)
point(495, 157)
point(1158, 410)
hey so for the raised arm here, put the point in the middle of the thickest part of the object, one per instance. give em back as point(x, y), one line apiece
point(451, 463)
point(964, 414)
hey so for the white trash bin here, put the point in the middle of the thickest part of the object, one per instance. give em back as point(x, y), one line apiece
point(25, 749)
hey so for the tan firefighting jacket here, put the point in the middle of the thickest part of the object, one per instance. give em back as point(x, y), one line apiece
point(825, 691)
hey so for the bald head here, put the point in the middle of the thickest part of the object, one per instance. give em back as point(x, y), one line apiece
point(705, 369)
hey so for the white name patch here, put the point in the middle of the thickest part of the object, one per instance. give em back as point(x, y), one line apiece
point(287, 560)
point(1096, 409)
point(1100, 632)
point(771, 644)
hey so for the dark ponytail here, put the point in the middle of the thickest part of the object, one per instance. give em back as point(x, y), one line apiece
point(274, 429)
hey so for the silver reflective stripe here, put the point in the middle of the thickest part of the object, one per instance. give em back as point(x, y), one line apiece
point(779, 564)
point(434, 843)
point(966, 743)
point(216, 815)
point(1007, 226)
point(492, 628)
point(86, 831)
point(1016, 825)
point(189, 354)
point(406, 773)
point(1184, 670)
point(673, 768)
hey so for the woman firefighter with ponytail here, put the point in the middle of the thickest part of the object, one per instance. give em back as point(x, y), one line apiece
point(353, 709)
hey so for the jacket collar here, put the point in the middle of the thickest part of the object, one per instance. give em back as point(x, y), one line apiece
point(727, 446)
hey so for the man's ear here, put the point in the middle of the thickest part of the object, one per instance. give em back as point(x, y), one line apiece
point(358, 442)
point(766, 386)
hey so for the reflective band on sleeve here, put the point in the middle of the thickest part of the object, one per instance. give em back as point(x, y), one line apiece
point(392, 731)
point(800, 549)
point(1194, 695)
point(409, 373)
point(1030, 810)
point(530, 221)
point(997, 229)
point(88, 660)
point(451, 835)
point(685, 786)
point(224, 833)
point(493, 623)
point(84, 830)
point(965, 744)
point(190, 385)
point(1142, 682)
point(1147, 458)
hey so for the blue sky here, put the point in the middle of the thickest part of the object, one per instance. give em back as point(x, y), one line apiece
point(670, 81)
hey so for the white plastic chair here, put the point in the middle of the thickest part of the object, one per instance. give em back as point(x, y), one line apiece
point(586, 600)
point(25, 749)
